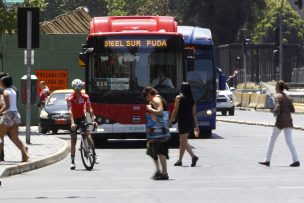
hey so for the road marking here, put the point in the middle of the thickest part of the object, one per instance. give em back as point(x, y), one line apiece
point(291, 187)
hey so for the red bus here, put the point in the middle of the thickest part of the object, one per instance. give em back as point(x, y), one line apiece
point(123, 55)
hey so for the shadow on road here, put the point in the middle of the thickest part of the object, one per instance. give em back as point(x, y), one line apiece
point(128, 144)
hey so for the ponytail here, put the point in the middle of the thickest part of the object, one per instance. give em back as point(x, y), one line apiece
point(286, 86)
point(281, 85)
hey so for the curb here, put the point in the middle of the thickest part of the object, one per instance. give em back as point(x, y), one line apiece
point(39, 163)
point(262, 110)
point(253, 123)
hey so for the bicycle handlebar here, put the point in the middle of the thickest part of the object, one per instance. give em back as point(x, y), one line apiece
point(88, 124)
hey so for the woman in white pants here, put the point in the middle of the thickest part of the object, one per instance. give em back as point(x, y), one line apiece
point(282, 110)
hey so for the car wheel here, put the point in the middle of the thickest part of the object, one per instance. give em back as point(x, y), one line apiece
point(44, 131)
point(40, 129)
point(231, 111)
point(224, 112)
point(55, 131)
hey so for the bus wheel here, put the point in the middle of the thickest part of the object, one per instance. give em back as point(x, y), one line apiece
point(99, 141)
point(205, 133)
point(224, 112)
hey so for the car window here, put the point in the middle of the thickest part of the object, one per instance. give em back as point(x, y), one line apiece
point(58, 99)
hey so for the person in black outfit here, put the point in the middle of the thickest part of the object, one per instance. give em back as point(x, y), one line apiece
point(185, 112)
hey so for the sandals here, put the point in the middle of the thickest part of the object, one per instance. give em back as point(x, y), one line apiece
point(162, 177)
point(194, 160)
point(156, 175)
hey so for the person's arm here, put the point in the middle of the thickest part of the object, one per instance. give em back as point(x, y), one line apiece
point(195, 116)
point(73, 126)
point(175, 110)
point(71, 115)
point(277, 105)
point(292, 108)
point(90, 111)
point(158, 105)
point(6, 103)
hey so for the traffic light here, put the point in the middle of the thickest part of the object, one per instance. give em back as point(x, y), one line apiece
point(299, 3)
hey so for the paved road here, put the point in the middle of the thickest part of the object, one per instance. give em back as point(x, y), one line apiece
point(266, 117)
point(227, 172)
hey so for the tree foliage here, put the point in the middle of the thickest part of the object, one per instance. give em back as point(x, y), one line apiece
point(58, 7)
point(293, 25)
point(224, 18)
point(8, 14)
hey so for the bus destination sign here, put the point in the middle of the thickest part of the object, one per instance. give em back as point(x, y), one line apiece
point(135, 43)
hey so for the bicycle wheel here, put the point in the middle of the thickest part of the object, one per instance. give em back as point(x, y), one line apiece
point(88, 155)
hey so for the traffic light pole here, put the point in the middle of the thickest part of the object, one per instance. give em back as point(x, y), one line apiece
point(281, 43)
point(28, 82)
point(245, 67)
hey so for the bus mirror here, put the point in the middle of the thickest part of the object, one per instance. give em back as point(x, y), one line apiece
point(190, 63)
point(222, 82)
point(83, 58)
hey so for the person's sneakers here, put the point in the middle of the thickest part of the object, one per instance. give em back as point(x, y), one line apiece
point(162, 177)
point(178, 163)
point(265, 163)
point(156, 175)
point(73, 167)
point(295, 164)
point(194, 160)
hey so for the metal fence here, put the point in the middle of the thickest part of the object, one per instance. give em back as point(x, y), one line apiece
point(261, 65)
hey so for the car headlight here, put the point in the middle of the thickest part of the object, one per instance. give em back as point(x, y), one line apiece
point(230, 97)
point(43, 114)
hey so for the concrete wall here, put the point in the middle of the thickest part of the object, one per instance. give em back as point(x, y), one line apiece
point(56, 52)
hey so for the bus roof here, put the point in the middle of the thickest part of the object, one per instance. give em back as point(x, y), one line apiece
point(132, 24)
point(195, 35)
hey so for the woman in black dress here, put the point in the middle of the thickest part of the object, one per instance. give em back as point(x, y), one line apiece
point(185, 112)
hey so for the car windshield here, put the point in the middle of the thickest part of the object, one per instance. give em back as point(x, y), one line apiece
point(58, 99)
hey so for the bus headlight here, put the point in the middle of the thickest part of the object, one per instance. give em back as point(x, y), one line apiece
point(209, 112)
point(43, 114)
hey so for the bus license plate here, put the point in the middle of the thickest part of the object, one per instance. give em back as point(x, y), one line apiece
point(137, 129)
point(204, 123)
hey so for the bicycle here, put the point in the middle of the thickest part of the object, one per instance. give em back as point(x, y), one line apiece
point(87, 149)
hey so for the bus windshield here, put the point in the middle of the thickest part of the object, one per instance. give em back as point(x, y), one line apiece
point(124, 65)
point(200, 74)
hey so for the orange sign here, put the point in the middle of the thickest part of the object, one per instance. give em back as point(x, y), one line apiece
point(54, 79)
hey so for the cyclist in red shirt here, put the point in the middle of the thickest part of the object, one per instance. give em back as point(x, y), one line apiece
point(78, 104)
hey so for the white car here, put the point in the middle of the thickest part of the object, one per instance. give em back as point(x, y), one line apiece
point(225, 101)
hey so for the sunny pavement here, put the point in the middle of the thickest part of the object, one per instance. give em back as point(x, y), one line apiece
point(41, 147)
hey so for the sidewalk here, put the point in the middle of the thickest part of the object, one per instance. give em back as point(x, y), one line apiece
point(43, 150)
point(261, 118)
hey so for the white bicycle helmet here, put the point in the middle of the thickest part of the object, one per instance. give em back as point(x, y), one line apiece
point(77, 84)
